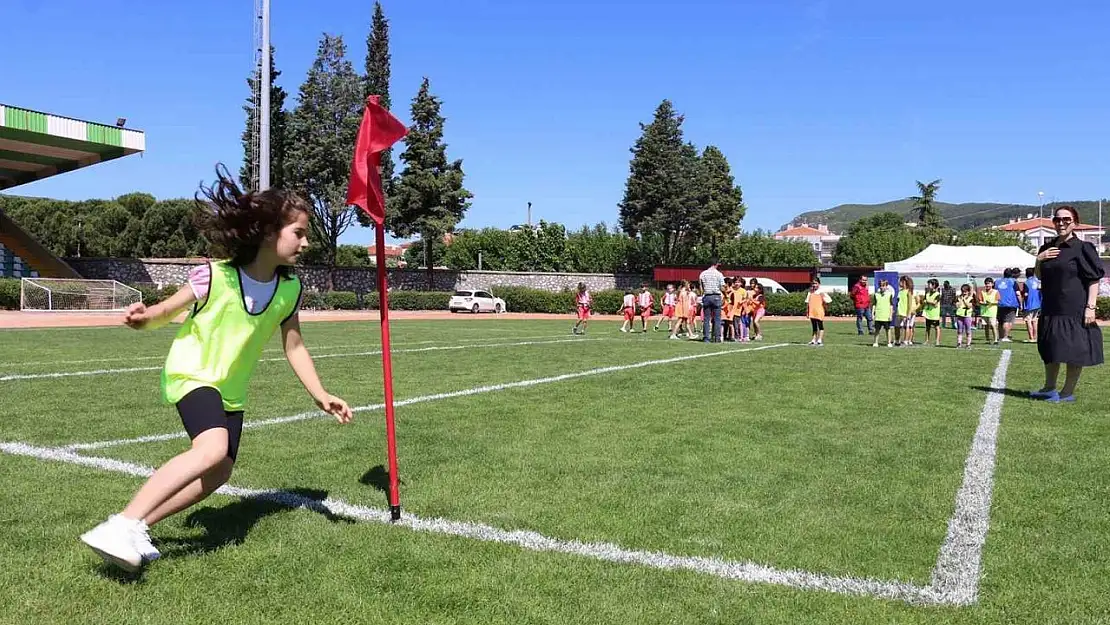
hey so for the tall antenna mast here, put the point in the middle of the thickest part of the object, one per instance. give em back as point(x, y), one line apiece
point(256, 95)
point(264, 112)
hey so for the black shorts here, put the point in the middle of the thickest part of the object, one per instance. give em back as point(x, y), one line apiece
point(203, 409)
point(1007, 314)
point(882, 325)
point(818, 324)
point(931, 324)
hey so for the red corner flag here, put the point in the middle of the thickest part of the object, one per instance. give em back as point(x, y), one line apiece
point(379, 130)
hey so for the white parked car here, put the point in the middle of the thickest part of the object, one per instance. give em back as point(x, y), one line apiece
point(769, 285)
point(476, 302)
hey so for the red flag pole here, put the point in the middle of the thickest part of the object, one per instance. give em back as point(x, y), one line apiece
point(387, 373)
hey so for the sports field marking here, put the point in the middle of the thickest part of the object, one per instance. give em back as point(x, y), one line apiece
point(312, 348)
point(436, 348)
point(533, 541)
point(959, 564)
point(438, 396)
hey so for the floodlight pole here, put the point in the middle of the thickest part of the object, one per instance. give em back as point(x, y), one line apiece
point(264, 107)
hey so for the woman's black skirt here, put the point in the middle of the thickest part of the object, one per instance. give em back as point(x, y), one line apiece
point(1067, 340)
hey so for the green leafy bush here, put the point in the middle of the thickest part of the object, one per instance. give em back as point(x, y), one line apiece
point(524, 299)
point(9, 293)
point(1102, 308)
point(413, 300)
point(341, 300)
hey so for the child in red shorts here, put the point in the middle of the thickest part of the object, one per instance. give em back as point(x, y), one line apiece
point(582, 301)
point(628, 308)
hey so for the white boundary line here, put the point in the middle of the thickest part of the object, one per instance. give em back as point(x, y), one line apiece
point(311, 348)
point(959, 564)
point(437, 348)
point(532, 541)
point(426, 398)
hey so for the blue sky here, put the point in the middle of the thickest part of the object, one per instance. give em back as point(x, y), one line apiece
point(815, 103)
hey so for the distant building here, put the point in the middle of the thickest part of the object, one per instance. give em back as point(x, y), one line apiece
point(1038, 230)
point(818, 237)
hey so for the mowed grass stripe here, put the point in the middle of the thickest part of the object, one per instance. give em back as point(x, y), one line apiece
point(683, 459)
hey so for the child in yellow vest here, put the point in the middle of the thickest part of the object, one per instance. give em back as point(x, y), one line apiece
point(234, 307)
point(883, 311)
point(815, 310)
point(931, 311)
point(988, 310)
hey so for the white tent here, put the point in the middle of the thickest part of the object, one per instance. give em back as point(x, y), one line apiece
point(970, 260)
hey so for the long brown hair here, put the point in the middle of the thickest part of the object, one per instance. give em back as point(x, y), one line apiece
point(236, 223)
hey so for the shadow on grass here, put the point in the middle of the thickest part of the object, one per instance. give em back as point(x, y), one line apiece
point(378, 477)
point(1008, 392)
point(230, 524)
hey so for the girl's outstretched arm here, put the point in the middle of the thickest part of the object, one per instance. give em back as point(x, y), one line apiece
point(297, 355)
point(142, 317)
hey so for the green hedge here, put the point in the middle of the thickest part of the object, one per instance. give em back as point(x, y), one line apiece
point(9, 293)
point(517, 299)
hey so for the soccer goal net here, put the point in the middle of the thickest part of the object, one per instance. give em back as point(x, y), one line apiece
point(52, 294)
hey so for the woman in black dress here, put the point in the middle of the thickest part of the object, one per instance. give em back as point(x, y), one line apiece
point(1070, 270)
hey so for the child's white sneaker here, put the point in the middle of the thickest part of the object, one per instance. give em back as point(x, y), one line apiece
point(145, 548)
point(114, 541)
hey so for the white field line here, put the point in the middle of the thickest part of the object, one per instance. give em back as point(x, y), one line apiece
point(437, 348)
point(312, 348)
point(426, 398)
point(959, 564)
point(533, 541)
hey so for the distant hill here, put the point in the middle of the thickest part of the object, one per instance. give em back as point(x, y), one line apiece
point(957, 216)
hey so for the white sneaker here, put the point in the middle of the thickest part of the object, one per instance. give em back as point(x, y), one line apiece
point(141, 534)
point(1007, 340)
point(874, 345)
point(113, 540)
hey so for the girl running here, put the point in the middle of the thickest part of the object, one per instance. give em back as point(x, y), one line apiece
point(669, 300)
point(931, 311)
point(965, 308)
point(759, 304)
point(628, 309)
point(234, 308)
point(582, 302)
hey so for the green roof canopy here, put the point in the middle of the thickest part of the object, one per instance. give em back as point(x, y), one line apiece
point(36, 145)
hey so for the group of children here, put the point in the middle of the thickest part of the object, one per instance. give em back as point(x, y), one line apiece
point(973, 307)
point(743, 307)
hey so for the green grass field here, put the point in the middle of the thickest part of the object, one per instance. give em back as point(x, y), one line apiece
point(840, 463)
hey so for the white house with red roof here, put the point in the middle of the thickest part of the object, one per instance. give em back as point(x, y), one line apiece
point(1038, 230)
point(817, 236)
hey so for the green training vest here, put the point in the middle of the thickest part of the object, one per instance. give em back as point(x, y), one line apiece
point(883, 305)
point(931, 310)
point(220, 342)
point(964, 306)
point(988, 306)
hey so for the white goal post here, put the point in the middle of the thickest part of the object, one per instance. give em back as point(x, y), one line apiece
point(67, 294)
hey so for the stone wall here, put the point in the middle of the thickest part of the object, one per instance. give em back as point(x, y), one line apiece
point(167, 271)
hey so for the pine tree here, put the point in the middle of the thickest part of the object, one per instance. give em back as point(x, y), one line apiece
point(248, 173)
point(723, 207)
point(322, 132)
point(428, 198)
point(924, 205)
point(376, 82)
point(661, 194)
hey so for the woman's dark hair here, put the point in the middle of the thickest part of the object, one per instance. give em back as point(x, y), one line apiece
point(236, 223)
point(1070, 209)
point(1029, 271)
